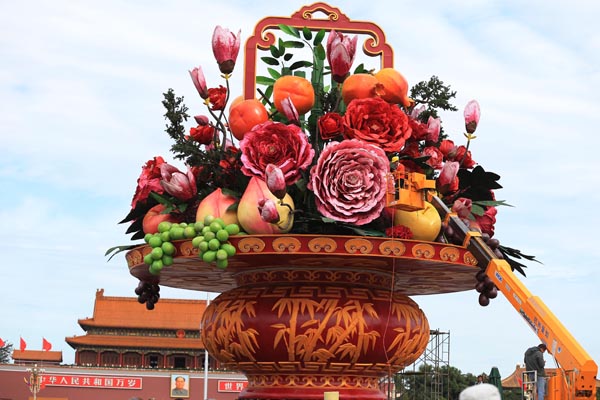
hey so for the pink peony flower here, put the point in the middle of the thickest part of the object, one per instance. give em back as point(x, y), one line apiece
point(178, 184)
point(225, 47)
point(375, 121)
point(340, 54)
point(149, 181)
point(349, 181)
point(284, 146)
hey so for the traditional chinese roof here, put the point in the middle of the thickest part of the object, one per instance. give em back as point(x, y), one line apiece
point(136, 342)
point(128, 313)
point(37, 356)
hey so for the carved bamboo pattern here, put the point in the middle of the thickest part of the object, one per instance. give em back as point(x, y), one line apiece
point(230, 341)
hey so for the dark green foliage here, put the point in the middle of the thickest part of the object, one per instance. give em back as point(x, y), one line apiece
point(6, 353)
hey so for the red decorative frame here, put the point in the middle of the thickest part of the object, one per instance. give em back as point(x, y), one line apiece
point(374, 46)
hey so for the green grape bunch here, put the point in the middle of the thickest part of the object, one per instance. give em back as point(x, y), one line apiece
point(212, 240)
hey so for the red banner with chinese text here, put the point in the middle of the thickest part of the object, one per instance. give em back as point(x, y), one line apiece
point(92, 381)
point(231, 386)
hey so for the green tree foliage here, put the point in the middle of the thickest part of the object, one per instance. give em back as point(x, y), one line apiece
point(6, 353)
point(449, 381)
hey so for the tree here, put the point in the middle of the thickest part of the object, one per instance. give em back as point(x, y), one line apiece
point(6, 353)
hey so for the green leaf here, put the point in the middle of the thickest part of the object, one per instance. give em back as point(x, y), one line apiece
point(264, 80)
point(290, 30)
point(287, 57)
point(492, 203)
point(274, 51)
point(300, 64)
point(269, 60)
point(320, 52)
point(477, 210)
point(118, 249)
point(319, 37)
point(274, 73)
point(307, 33)
point(292, 44)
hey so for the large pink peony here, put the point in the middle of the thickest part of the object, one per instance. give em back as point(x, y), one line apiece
point(349, 181)
point(284, 146)
point(376, 121)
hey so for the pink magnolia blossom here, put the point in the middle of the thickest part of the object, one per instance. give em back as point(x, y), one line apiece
point(226, 46)
point(289, 110)
point(433, 130)
point(199, 81)
point(268, 211)
point(201, 120)
point(340, 54)
point(275, 181)
point(178, 184)
point(462, 207)
point(349, 181)
point(285, 146)
point(472, 115)
point(416, 111)
point(448, 181)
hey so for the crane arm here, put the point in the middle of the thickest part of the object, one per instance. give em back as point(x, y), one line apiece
point(561, 344)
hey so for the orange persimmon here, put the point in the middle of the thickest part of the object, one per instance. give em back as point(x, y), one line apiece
point(298, 89)
point(244, 115)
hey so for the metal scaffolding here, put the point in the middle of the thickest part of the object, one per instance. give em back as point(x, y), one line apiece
point(428, 377)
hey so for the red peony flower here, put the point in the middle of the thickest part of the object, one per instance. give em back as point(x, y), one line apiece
point(148, 181)
point(435, 157)
point(331, 125)
point(487, 221)
point(419, 129)
point(375, 121)
point(202, 134)
point(349, 181)
point(284, 146)
point(399, 231)
point(217, 97)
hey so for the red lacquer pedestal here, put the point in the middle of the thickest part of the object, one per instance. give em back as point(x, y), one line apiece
point(301, 315)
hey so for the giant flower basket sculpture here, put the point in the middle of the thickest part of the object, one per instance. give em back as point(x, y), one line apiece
point(306, 207)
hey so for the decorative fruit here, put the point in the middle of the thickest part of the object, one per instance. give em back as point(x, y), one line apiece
point(249, 216)
point(359, 86)
point(154, 217)
point(299, 89)
point(392, 87)
point(216, 205)
point(425, 224)
point(244, 114)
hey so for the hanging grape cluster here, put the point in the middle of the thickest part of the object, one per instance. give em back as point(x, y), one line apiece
point(148, 293)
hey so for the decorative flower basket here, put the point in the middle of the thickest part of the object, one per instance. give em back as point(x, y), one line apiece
point(306, 206)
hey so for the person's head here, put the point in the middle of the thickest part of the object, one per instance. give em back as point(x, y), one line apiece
point(542, 347)
point(485, 391)
point(480, 378)
point(179, 382)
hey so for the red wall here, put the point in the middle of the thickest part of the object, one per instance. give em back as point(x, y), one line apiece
point(155, 384)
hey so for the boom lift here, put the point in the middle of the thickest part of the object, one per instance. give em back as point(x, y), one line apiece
point(576, 379)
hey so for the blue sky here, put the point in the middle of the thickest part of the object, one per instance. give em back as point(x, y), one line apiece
point(81, 85)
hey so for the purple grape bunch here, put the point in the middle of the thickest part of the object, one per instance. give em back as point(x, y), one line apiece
point(148, 293)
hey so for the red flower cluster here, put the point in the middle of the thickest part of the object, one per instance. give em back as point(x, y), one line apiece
point(149, 181)
point(399, 232)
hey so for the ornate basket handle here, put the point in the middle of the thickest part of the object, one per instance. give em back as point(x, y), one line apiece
point(373, 46)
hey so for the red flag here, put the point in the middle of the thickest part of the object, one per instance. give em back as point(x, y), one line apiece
point(23, 345)
point(46, 345)
point(1, 342)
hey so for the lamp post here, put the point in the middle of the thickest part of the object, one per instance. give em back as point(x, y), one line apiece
point(35, 379)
